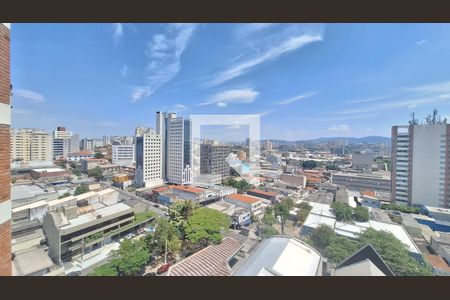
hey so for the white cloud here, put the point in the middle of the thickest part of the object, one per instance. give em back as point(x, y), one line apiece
point(421, 42)
point(164, 52)
point(433, 88)
point(365, 100)
point(412, 105)
point(180, 107)
point(222, 99)
point(342, 127)
point(268, 46)
point(117, 31)
point(296, 98)
point(31, 96)
point(125, 71)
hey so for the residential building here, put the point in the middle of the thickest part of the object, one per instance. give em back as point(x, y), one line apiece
point(61, 148)
point(87, 144)
point(90, 163)
point(162, 128)
point(106, 140)
point(141, 130)
point(29, 144)
point(5, 154)
point(213, 160)
point(179, 152)
point(377, 181)
point(77, 156)
point(272, 196)
point(282, 256)
point(123, 155)
point(75, 143)
point(251, 203)
point(421, 164)
point(148, 160)
point(294, 182)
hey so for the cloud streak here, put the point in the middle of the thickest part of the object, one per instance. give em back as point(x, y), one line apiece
point(237, 96)
point(164, 52)
point(29, 95)
point(296, 98)
point(268, 48)
point(117, 31)
point(339, 128)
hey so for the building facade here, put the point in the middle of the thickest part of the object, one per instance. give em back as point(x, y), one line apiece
point(28, 144)
point(421, 164)
point(123, 155)
point(380, 181)
point(5, 131)
point(148, 160)
point(179, 152)
point(213, 160)
point(75, 143)
point(162, 128)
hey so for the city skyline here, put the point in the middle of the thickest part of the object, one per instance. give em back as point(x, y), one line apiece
point(306, 81)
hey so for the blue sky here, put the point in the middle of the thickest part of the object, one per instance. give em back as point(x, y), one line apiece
point(305, 80)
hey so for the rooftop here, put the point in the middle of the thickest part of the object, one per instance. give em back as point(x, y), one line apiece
point(438, 262)
point(244, 198)
point(189, 189)
point(26, 191)
point(48, 170)
point(31, 261)
point(271, 194)
point(210, 261)
point(281, 256)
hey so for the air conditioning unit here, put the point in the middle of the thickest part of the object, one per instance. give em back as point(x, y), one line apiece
point(99, 216)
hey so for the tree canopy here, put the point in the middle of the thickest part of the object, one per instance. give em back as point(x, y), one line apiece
point(343, 211)
point(268, 218)
point(309, 164)
point(180, 212)
point(322, 236)
point(164, 231)
point(81, 190)
point(206, 225)
point(361, 214)
point(131, 257)
point(99, 155)
point(242, 186)
point(96, 172)
point(282, 210)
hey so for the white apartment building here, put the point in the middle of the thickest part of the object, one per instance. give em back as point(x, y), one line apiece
point(421, 164)
point(28, 144)
point(123, 155)
point(179, 151)
point(148, 160)
point(75, 143)
point(162, 128)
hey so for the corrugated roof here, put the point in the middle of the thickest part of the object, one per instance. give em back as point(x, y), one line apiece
point(211, 261)
point(272, 194)
point(243, 198)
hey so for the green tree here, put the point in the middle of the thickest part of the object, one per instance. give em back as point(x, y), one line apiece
point(269, 218)
point(165, 235)
point(309, 164)
point(302, 214)
point(282, 210)
point(289, 202)
point(304, 206)
point(322, 236)
point(131, 257)
point(64, 195)
point(361, 214)
point(81, 190)
point(332, 167)
point(180, 212)
point(340, 248)
point(99, 155)
point(96, 172)
point(105, 270)
point(76, 172)
point(343, 211)
point(394, 253)
point(267, 231)
point(206, 225)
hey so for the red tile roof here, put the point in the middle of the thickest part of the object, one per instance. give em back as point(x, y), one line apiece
point(210, 261)
point(368, 193)
point(189, 189)
point(244, 198)
point(272, 194)
point(160, 189)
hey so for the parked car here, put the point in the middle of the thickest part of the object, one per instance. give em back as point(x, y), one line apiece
point(150, 274)
point(156, 205)
point(74, 273)
point(130, 236)
point(163, 269)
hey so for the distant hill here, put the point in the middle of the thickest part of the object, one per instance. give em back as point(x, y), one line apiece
point(351, 140)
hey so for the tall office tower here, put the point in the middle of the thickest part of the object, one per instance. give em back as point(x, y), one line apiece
point(87, 144)
point(106, 140)
point(162, 125)
point(213, 160)
point(148, 160)
point(179, 151)
point(75, 143)
point(421, 164)
point(5, 131)
point(28, 144)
